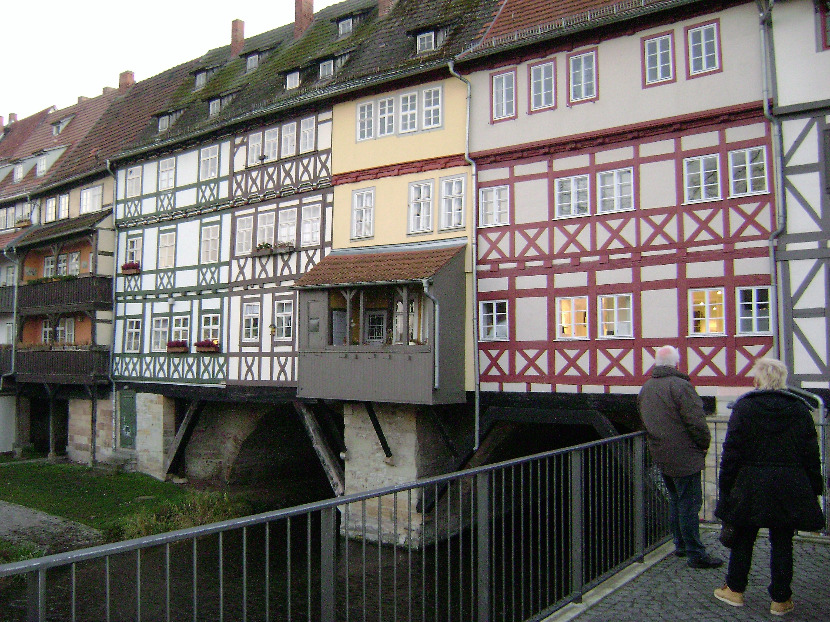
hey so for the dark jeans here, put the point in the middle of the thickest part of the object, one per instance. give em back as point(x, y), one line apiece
point(780, 561)
point(686, 499)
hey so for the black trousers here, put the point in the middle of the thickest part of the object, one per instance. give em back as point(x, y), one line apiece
point(780, 563)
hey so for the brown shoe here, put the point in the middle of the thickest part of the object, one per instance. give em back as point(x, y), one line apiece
point(724, 594)
point(781, 609)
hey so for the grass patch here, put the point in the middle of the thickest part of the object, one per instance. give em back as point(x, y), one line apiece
point(10, 553)
point(121, 505)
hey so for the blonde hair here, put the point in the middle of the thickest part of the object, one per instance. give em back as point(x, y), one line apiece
point(769, 373)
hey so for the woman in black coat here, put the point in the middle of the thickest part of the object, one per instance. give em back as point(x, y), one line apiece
point(770, 476)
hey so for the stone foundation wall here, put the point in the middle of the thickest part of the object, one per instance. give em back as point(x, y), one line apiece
point(156, 429)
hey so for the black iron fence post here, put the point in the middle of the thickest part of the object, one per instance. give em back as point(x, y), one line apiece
point(577, 536)
point(483, 552)
point(639, 499)
point(36, 596)
point(328, 551)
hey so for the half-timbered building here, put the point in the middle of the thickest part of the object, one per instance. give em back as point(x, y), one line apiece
point(798, 55)
point(625, 198)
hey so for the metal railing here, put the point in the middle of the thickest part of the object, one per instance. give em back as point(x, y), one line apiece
point(84, 292)
point(506, 542)
point(711, 474)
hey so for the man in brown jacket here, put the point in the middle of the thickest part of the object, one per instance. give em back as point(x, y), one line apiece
point(678, 438)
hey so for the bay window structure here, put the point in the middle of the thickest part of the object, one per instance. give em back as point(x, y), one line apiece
point(572, 317)
point(493, 320)
point(706, 310)
point(392, 311)
point(753, 310)
point(615, 316)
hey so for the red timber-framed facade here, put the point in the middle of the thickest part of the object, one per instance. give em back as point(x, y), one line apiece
point(639, 219)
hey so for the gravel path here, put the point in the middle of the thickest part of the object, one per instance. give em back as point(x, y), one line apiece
point(51, 534)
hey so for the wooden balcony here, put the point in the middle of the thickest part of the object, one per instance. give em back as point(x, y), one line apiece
point(5, 359)
point(63, 365)
point(6, 299)
point(85, 293)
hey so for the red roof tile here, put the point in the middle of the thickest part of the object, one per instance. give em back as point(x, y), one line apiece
point(16, 133)
point(374, 267)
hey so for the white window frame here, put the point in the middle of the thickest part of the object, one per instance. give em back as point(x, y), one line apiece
point(748, 167)
point(265, 222)
point(425, 42)
point(615, 190)
point(420, 207)
point(133, 184)
point(46, 335)
point(92, 199)
point(572, 196)
point(310, 224)
point(73, 263)
point(494, 206)
point(63, 206)
point(326, 69)
point(658, 59)
point(493, 320)
point(366, 121)
point(308, 133)
point(180, 330)
point(543, 86)
point(17, 173)
point(582, 70)
point(408, 113)
point(159, 334)
point(250, 321)
point(210, 243)
point(251, 62)
point(292, 80)
point(703, 49)
point(453, 190)
point(363, 213)
point(288, 146)
point(209, 162)
point(697, 176)
point(60, 268)
point(504, 95)
point(287, 226)
point(386, 116)
point(431, 113)
point(40, 166)
point(375, 326)
point(65, 330)
point(572, 321)
point(344, 27)
point(752, 311)
point(214, 107)
point(133, 249)
point(132, 335)
point(244, 235)
point(167, 250)
point(713, 311)
point(254, 149)
point(50, 210)
point(284, 319)
point(211, 327)
point(201, 80)
point(271, 145)
point(616, 316)
point(49, 266)
point(167, 173)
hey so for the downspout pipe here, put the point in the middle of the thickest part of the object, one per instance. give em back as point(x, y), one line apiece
point(436, 350)
point(474, 252)
point(114, 281)
point(770, 91)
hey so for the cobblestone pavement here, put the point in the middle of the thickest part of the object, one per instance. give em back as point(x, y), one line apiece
point(670, 590)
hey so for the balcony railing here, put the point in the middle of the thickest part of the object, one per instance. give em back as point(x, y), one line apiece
point(63, 365)
point(86, 292)
point(5, 359)
point(6, 299)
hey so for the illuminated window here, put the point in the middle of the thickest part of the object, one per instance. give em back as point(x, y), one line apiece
point(572, 316)
point(706, 306)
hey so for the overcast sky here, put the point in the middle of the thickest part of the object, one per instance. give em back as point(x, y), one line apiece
point(53, 51)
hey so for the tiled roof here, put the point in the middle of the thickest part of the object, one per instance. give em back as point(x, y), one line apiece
point(124, 122)
point(15, 134)
point(525, 21)
point(351, 268)
point(83, 116)
point(379, 50)
point(64, 228)
point(7, 239)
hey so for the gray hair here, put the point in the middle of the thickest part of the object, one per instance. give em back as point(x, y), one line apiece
point(769, 373)
point(667, 355)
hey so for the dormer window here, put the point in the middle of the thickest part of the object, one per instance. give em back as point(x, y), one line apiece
point(58, 127)
point(202, 78)
point(251, 62)
point(344, 27)
point(326, 69)
point(292, 80)
point(18, 172)
point(426, 42)
point(341, 60)
point(166, 120)
point(215, 107)
point(40, 168)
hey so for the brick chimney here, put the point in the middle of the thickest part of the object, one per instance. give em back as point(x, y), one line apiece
point(384, 6)
point(303, 14)
point(237, 37)
point(125, 80)
point(12, 117)
point(1, 124)
point(107, 90)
